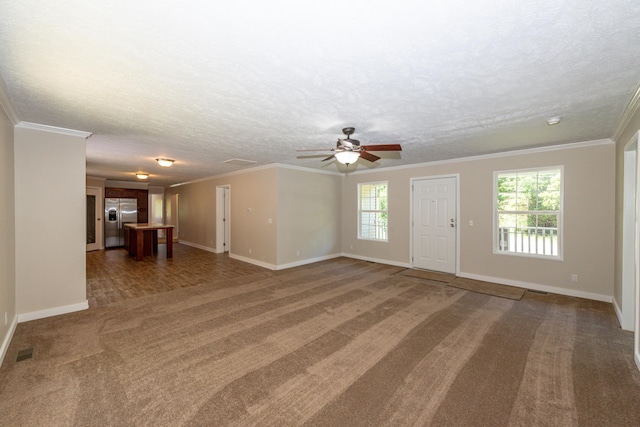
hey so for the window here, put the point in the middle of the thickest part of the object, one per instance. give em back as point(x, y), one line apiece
point(372, 211)
point(529, 212)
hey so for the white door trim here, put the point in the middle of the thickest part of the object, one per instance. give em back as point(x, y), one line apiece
point(456, 176)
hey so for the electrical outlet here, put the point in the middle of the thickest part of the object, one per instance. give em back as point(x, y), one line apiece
point(297, 253)
point(6, 319)
point(249, 251)
point(574, 278)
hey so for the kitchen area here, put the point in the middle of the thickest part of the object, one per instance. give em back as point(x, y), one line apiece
point(111, 205)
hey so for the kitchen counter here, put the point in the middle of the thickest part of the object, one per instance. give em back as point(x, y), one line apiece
point(142, 239)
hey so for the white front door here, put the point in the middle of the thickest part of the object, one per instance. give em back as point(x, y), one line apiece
point(434, 224)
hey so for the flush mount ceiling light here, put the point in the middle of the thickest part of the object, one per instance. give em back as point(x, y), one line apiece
point(141, 175)
point(554, 120)
point(165, 163)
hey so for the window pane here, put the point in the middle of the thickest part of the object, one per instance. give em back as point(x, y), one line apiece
point(507, 193)
point(527, 192)
point(91, 219)
point(548, 221)
point(372, 218)
point(527, 189)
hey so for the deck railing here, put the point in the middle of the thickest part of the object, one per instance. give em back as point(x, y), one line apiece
point(528, 240)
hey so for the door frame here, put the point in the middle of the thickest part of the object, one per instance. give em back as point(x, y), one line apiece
point(97, 193)
point(630, 280)
point(223, 211)
point(456, 177)
point(626, 306)
point(171, 214)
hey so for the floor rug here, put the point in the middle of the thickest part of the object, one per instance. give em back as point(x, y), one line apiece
point(430, 275)
point(488, 288)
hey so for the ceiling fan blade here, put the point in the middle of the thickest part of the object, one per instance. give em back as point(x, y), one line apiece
point(368, 156)
point(383, 147)
point(330, 157)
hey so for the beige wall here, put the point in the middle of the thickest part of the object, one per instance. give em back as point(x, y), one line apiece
point(309, 216)
point(253, 197)
point(95, 182)
point(7, 231)
point(588, 219)
point(279, 215)
point(50, 222)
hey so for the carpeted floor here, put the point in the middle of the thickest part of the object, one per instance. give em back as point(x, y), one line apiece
point(336, 343)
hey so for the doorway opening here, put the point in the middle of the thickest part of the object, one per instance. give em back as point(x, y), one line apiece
point(223, 218)
point(171, 215)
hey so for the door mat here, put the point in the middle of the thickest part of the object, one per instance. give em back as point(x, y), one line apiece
point(488, 288)
point(429, 275)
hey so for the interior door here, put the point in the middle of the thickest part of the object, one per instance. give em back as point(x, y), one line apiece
point(434, 233)
point(94, 219)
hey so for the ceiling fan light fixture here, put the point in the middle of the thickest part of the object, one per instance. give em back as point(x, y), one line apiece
point(347, 157)
point(165, 163)
point(141, 175)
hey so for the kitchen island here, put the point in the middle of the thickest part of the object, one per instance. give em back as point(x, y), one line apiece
point(141, 239)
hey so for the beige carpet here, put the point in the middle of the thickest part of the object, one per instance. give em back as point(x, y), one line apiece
point(429, 275)
point(337, 343)
point(488, 288)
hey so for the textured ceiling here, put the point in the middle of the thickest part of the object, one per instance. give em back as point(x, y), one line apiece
point(205, 82)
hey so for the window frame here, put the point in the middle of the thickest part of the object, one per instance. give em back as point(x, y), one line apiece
point(560, 214)
point(360, 211)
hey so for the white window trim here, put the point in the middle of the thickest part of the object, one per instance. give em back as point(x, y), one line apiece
point(358, 224)
point(494, 230)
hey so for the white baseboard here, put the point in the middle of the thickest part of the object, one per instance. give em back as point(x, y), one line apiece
point(618, 310)
point(379, 261)
point(195, 245)
point(283, 266)
point(621, 322)
point(253, 261)
point(539, 287)
point(306, 261)
point(7, 339)
point(50, 312)
point(637, 357)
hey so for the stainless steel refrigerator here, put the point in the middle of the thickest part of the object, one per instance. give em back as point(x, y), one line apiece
point(118, 212)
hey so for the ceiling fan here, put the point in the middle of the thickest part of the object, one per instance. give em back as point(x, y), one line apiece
point(348, 150)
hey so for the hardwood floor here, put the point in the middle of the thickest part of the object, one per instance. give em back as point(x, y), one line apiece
point(112, 275)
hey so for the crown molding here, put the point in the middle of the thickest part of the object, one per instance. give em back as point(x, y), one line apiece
point(53, 129)
point(257, 169)
point(551, 148)
point(7, 104)
point(311, 170)
point(630, 110)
